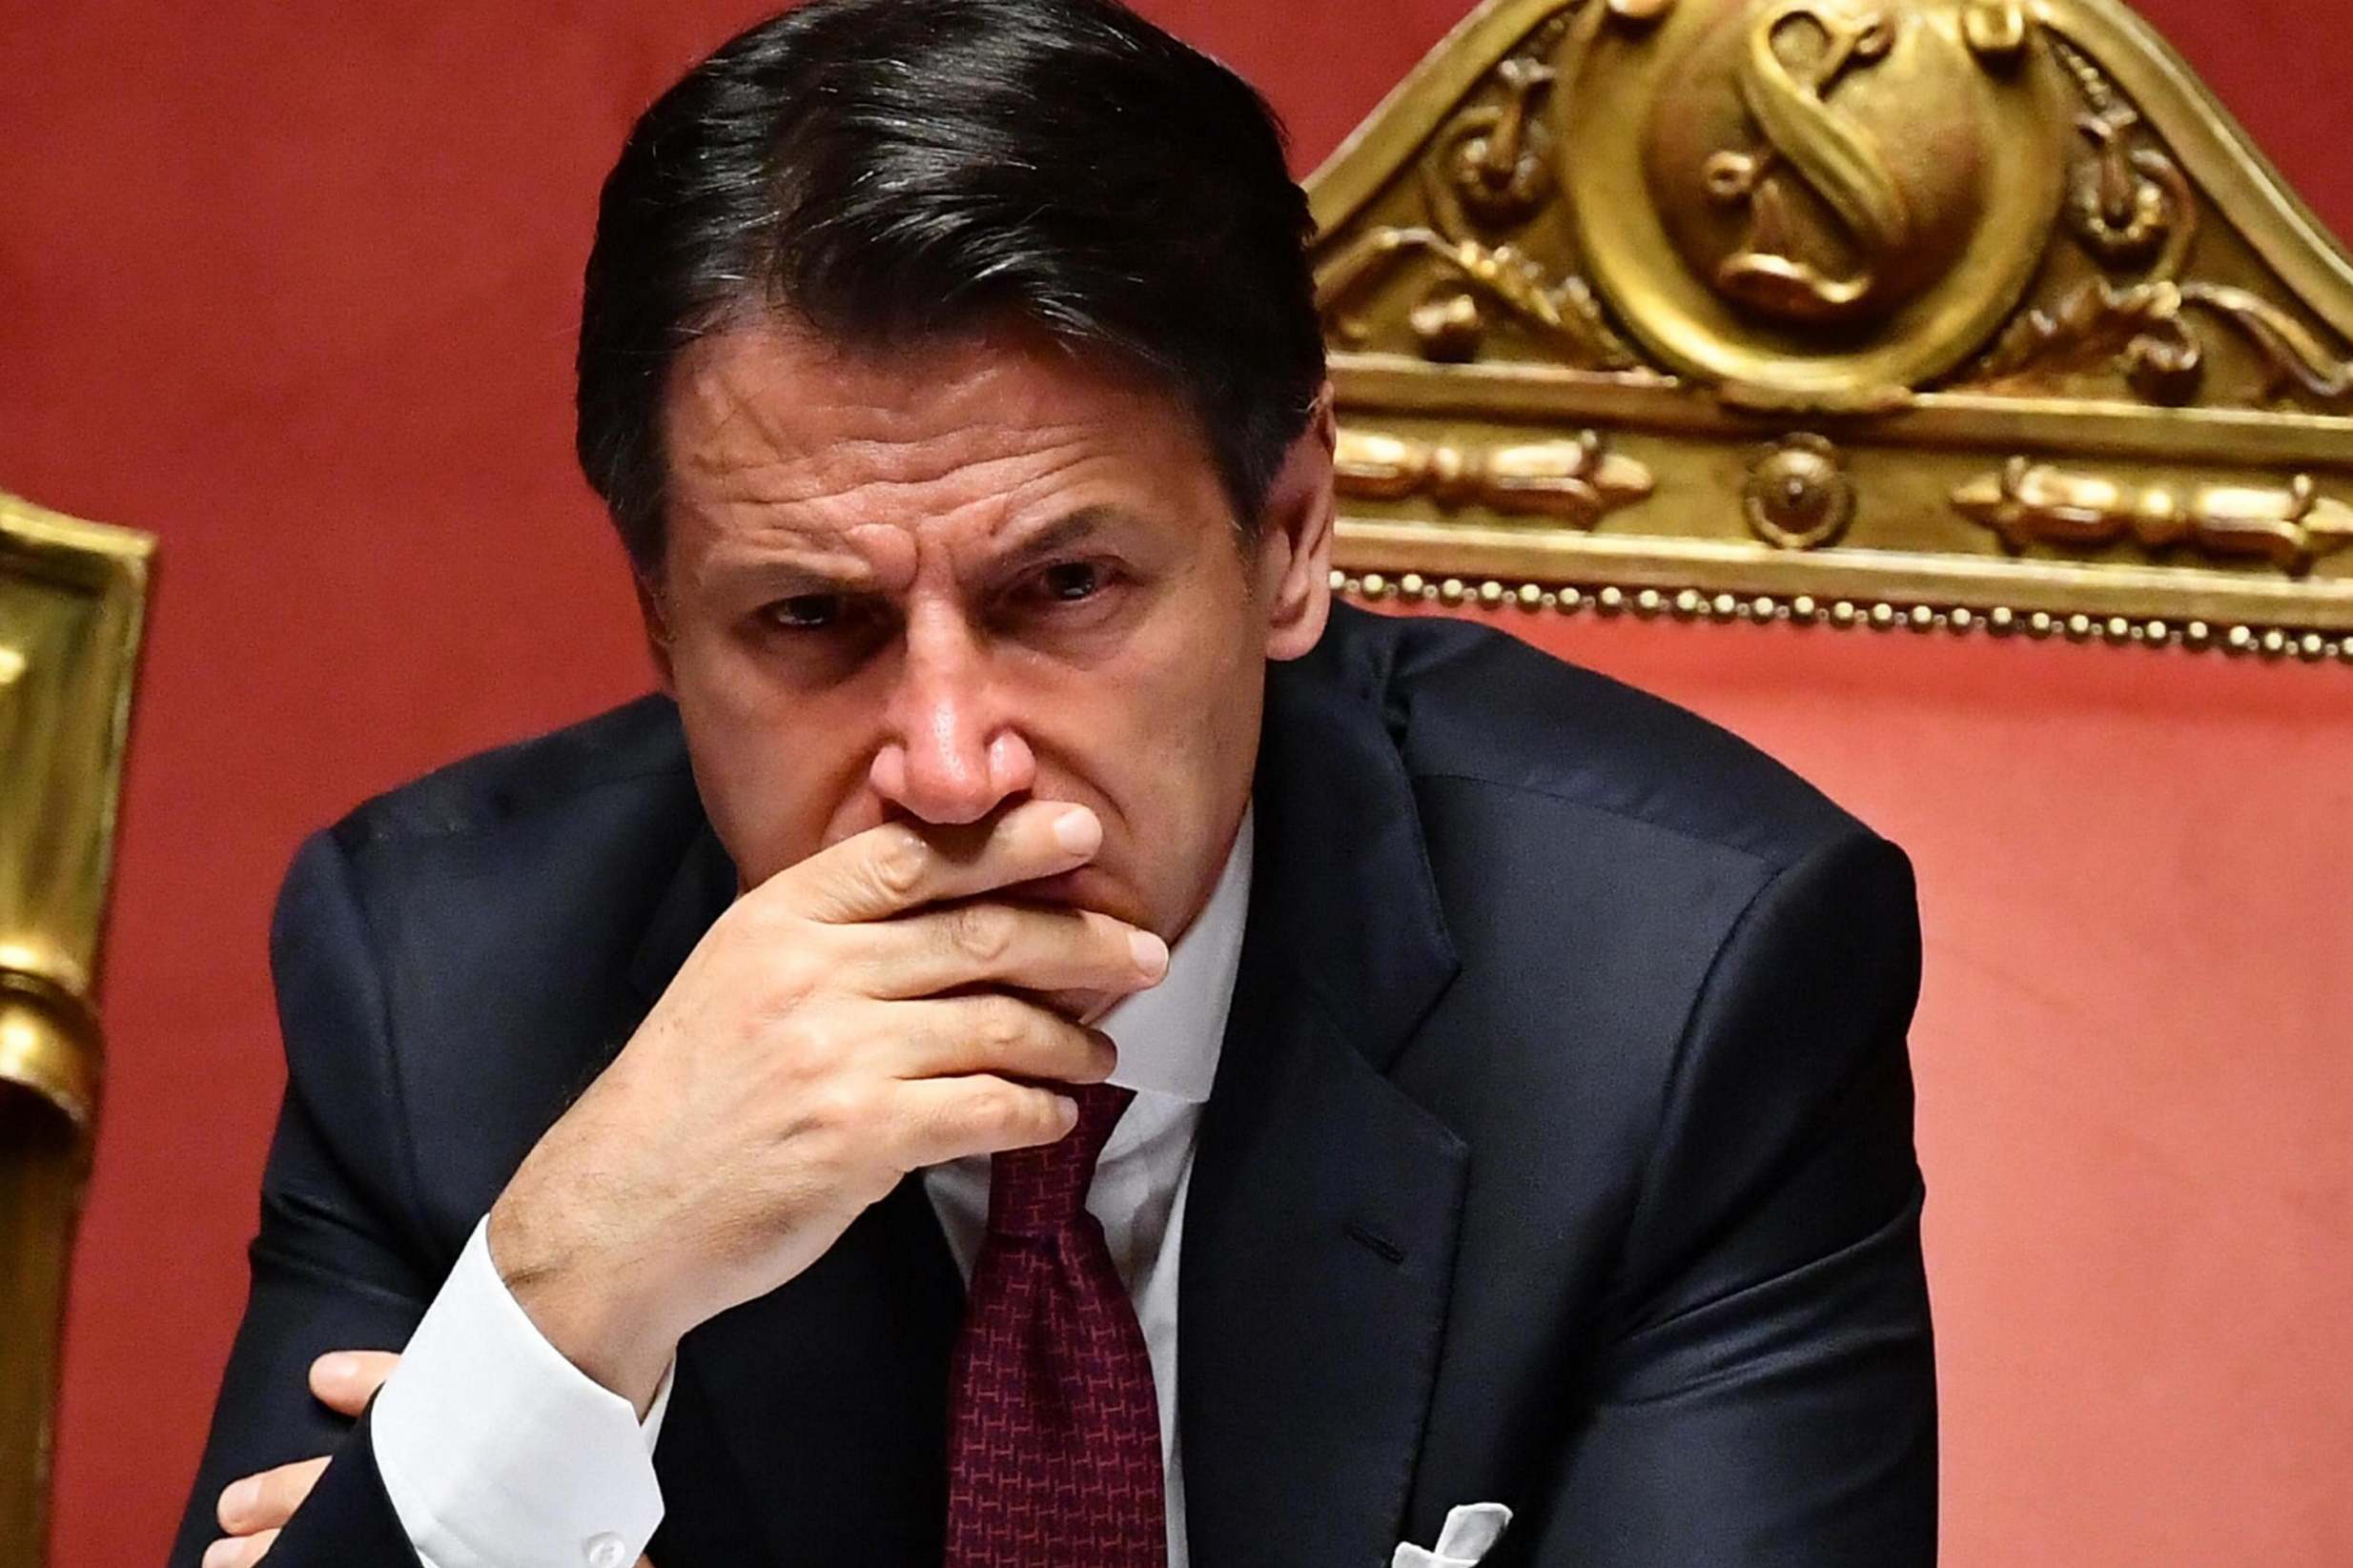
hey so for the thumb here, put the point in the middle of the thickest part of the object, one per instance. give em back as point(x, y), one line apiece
point(344, 1382)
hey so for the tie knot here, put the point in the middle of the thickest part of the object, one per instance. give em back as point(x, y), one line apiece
point(1037, 1192)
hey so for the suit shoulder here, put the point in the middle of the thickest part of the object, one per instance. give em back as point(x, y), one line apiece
point(635, 742)
point(1471, 706)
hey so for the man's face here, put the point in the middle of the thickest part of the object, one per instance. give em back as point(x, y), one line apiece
point(927, 584)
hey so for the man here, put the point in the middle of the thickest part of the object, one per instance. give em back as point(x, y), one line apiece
point(1049, 1042)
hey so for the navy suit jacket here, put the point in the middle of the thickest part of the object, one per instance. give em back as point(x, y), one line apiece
point(1559, 1155)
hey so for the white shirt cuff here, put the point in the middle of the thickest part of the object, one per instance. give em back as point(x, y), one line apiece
point(497, 1452)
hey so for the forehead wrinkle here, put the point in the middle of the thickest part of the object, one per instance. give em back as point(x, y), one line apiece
point(868, 538)
point(798, 498)
point(801, 417)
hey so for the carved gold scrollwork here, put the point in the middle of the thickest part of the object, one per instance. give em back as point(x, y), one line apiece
point(1451, 322)
point(2037, 504)
point(1730, 233)
point(1489, 172)
point(1578, 482)
point(2131, 208)
point(1496, 166)
point(2127, 204)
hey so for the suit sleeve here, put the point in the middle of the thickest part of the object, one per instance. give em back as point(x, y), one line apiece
point(1766, 1394)
point(339, 1262)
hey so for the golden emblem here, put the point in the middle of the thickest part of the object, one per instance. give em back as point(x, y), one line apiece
point(1800, 197)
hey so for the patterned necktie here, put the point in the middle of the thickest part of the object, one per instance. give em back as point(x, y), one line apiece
point(1053, 1447)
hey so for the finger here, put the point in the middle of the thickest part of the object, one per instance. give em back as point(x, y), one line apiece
point(943, 1119)
point(890, 869)
point(344, 1382)
point(988, 943)
point(239, 1551)
point(956, 1037)
point(268, 1499)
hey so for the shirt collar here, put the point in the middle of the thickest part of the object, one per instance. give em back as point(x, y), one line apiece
point(1169, 1036)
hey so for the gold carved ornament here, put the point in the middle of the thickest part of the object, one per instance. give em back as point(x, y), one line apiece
point(73, 597)
point(1958, 314)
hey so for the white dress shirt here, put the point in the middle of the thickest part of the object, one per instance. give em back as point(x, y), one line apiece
point(497, 1452)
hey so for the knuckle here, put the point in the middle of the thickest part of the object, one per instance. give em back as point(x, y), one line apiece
point(802, 1046)
point(1012, 1106)
point(1003, 1028)
point(748, 923)
point(983, 932)
point(845, 1106)
point(793, 976)
point(899, 862)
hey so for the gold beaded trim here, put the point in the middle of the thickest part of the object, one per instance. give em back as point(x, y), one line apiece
point(2272, 642)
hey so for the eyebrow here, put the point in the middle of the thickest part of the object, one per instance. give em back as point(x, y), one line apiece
point(1058, 535)
point(779, 580)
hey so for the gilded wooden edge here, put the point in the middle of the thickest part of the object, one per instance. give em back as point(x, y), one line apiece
point(73, 601)
point(73, 597)
point(2154, 444)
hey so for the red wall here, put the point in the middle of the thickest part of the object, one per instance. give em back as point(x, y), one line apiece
point(292, 286)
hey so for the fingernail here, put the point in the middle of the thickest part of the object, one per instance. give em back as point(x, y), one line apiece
point(1077, 831)
point(220, 1554)
point(239, 1500)
point(337, 1367)
point(1150, 953)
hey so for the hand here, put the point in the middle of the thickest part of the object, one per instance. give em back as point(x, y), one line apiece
point(254, 1510)
point(866, 1012)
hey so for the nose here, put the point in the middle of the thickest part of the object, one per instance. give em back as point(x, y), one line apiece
point(949, 753)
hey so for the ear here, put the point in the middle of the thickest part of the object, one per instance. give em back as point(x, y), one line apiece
point(1294, 565)
point(657, 629)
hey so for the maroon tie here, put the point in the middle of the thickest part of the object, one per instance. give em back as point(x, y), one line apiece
point(1054, 1434)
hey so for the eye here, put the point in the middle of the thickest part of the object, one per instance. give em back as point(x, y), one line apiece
point(806, 612)
point(1070, 581)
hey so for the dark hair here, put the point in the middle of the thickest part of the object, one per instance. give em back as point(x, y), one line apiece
point(894, 171)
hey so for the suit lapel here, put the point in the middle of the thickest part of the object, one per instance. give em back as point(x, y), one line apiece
point(1320, 1225)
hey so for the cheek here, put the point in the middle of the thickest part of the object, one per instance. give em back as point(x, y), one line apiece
point(1167, 740)
point(782, 775)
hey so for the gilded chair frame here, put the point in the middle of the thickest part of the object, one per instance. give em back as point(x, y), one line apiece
point(73, 599)
point(1975, 316)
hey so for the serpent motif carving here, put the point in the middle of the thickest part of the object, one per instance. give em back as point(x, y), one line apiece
point(1807, 139)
